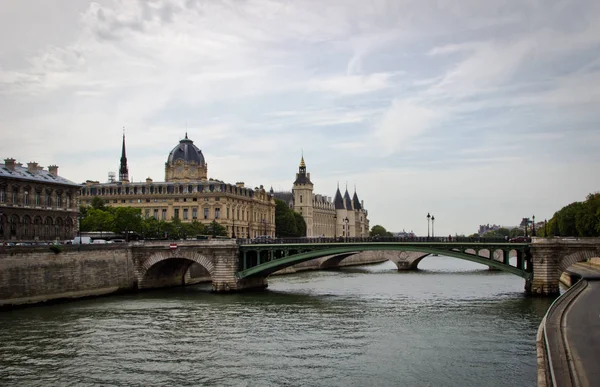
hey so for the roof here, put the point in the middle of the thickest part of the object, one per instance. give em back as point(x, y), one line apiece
point(356, 202)
point(186, 151)
point(40, 175)
point(347, 201)
point(338, 201)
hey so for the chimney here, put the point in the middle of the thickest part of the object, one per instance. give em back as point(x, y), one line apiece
point(10, 164)
point(53, 169)
point(32, 167)
point(240, 184)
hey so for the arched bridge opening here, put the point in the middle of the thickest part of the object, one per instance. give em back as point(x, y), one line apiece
point(263, 260)
point(168, 270)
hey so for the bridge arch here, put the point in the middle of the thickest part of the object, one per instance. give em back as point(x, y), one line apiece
point(164, 269)
point(579, 256)
point(269, 267)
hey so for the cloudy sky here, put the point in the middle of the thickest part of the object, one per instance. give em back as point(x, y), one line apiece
point(475, 111)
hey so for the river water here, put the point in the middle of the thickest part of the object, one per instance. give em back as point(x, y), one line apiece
point(453, 323)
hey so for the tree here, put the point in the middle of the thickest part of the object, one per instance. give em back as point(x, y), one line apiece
point(97, 220)
point(98, 203)
point(515, 232)
point(378, 230)
point(216, 229)
point(503, 231)
point(285, 220)
point(127, 219)
point(300, 225)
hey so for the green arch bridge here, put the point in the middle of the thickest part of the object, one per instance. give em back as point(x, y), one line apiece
point(263, 259)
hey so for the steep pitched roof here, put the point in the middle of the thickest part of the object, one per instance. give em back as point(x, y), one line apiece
point(347, 200)
point(356, 202)
point(338, 201)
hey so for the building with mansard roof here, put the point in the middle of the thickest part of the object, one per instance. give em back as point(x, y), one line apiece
point(36, 204)
point(188, 195)
point(340, 217)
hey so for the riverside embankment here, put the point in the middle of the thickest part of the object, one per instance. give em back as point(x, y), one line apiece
point(35, 274)
point(568, 339)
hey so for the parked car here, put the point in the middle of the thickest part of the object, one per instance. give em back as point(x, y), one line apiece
point(520, 239)
point(263, 239)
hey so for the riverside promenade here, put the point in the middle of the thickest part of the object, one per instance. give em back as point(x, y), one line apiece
point(569, 336)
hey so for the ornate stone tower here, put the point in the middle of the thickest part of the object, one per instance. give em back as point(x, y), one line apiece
point(185, 163)
point(302, 192)
point(123, 169)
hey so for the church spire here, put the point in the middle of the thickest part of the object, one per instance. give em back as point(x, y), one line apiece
point(123, 169)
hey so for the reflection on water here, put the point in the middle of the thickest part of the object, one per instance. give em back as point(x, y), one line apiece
point(453, 323)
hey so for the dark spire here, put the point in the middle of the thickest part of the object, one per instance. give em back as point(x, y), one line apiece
point(355, 201)
point(123, 169)
point(338, 201)
point(347, 200)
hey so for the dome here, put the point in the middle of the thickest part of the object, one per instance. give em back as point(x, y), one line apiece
point(186, 151)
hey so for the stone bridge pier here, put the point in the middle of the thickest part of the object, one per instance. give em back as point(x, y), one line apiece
point(157, 265)
point(551, 257)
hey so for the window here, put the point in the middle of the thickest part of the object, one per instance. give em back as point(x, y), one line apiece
point(48, 199)
point(26, 198)
point(300, 198)
point(147, 213)
point(227, 212)
point(185, 213)
point(164, 214)
point(156, 214)
point(2, 195)
point(194, 213)
point(206, 213)
point(58, 200)
point(176, 215)
point(217, 199)
point(217, 213)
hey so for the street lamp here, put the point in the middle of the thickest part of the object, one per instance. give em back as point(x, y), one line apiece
point(428, 219)
point(432, 220)
point(79, 217)
point(533, 226)
point(233, 226)
point(346, 220)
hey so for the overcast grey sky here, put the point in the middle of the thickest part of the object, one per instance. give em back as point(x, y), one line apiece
point(476, 111)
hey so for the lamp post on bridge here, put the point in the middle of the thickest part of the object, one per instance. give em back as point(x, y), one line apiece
point(233, 226)
point(346, 220)
point(432, 220)
point(533, 226)
point(428, 219)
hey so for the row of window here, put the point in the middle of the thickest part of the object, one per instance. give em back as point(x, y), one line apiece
point(165, 189)
point(35, 199)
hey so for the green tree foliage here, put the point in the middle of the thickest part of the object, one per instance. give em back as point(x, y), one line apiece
point(503, 231)
point(127, 219)
point(515, 232)
point(98, 203)
point(581, 219)
point(300, 225)
point(216, 229)
point(379, 230)
point(97, 220)
point(288, 223)
point(493, 234)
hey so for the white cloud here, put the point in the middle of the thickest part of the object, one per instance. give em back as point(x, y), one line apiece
point(459, 94)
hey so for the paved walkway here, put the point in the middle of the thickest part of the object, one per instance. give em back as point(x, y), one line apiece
point(573, 331)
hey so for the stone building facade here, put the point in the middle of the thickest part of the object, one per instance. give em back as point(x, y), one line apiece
point(36, 204)
point(188, 194)
point(340, 217)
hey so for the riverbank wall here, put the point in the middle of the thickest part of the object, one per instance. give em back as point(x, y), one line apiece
point(37, 274)
point(30, 275)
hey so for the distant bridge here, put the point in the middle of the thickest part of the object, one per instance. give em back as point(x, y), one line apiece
point(262, 259)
